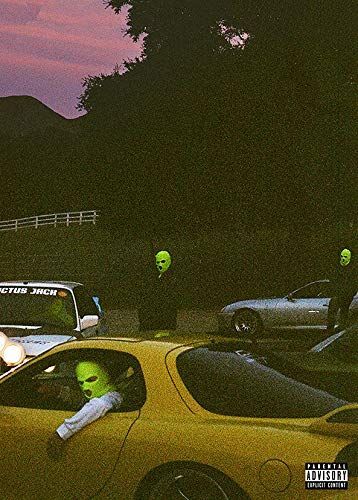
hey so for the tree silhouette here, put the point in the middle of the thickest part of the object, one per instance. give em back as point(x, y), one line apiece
point(215, 134)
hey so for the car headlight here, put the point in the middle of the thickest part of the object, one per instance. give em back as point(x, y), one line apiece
point(50, 369)
point(3, 341)
point(13, 354)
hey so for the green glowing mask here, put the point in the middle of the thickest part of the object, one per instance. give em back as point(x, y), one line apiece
point(163, 261)
point(57, 307)
point(345, 257)
point(93, 379)
point(58, 311)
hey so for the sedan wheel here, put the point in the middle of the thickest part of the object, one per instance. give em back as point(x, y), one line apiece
point(192, 484)
point(247, 323)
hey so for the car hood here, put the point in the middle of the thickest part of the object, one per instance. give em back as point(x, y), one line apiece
point(252, 304)
point(37, 344)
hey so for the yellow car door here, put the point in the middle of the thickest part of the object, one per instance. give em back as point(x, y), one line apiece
point(85, 465)
point(29, 417)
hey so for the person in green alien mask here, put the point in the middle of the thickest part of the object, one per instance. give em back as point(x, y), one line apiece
point(158, 302)
point(102, 396)
point(57, 312)
point(344, 287)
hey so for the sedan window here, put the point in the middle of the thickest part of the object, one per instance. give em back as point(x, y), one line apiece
point(85, 302)
point(228, 383)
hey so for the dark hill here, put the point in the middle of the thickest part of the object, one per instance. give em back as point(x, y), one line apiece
point(42, 159)
point(25, 115)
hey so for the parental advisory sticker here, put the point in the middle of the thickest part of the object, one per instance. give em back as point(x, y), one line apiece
point(326, 476)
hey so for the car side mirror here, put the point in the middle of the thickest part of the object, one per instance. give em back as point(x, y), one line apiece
point(98, 305)
point(89, 320)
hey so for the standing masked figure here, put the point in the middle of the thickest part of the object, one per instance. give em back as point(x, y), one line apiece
point(344, 286)
point(158, 304)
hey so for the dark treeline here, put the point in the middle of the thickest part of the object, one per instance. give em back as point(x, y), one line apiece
point(213, 268)
point(202, 133)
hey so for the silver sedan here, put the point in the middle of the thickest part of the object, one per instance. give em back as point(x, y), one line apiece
point(303, 309)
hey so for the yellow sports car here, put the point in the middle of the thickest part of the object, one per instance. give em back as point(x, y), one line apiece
point(198, 421)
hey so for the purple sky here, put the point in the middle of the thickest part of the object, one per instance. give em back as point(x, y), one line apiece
point(48, 46)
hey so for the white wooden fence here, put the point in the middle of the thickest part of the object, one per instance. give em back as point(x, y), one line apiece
point(36, 221)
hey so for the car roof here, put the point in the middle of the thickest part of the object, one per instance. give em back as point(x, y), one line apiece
point(318, 281)
point(66, 284)
point(163, 344)
point(312, 283)
point(166, 343)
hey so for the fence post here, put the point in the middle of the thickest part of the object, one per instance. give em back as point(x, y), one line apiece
point(38, 220)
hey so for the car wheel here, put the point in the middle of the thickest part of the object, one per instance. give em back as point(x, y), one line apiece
point(247, 323)
point(187, 483)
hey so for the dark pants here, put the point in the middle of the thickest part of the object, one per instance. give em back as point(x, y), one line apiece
point(150, 319)
point(340, 304)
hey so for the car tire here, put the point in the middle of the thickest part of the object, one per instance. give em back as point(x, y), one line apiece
point(190, 482)
point(247, 323)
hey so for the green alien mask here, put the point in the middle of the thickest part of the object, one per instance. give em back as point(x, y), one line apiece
point(93, 379)
point(58, 311)
point(57, 307)
point(345, 257)
point(163, 261)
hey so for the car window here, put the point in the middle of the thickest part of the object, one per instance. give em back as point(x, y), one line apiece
point(85, 303)
point(313, 290)
point(51, 383)
point(230, 384)
point(37, 306)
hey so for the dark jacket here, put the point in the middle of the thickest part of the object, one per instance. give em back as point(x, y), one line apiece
point(158, 302)
point(345, 281)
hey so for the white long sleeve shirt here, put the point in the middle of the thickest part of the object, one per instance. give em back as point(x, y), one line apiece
point(91, 411)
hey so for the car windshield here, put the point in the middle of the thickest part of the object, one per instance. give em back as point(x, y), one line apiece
point(227, 383)
point(318, 289)
point(37, 306)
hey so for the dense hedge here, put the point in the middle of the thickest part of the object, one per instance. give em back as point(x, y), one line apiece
point(213, 268)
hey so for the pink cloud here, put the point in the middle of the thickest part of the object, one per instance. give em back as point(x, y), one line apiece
point(19, 11)
point(47, 65)
point(55, 84)
point(91, 18)
point(34, 32)
point(49, 46)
